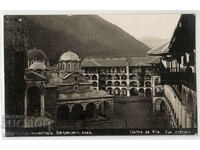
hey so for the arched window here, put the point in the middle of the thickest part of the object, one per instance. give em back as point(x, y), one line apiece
point(116, 83)
point(123, 77)
point(117, 91)
point(124, 92)
point(148, 84)
point(124, 83)
point(133, 77)
point(148, 77)
point(109, 77)
point(109, 83)
point(87, 77)
point(109, 91)
point(94, 84)
point(94, 77)
point(116, 77)
point(133, 84)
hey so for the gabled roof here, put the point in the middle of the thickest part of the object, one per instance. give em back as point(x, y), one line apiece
point(183, 39)
point(159, 50)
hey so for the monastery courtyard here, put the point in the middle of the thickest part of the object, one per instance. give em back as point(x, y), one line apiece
point(130, 112)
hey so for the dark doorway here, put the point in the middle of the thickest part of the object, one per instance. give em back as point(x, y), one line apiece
point(77, 112)
point(91, 111)
point(33, 108)
point(133, 92)
point(148, 92)
point(104, 109)
point(141, 92)
point(63, 113)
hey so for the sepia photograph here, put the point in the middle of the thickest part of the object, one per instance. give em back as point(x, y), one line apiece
point(100, 74)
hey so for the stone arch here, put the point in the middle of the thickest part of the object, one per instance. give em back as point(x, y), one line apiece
point(124, 91)
point(94, 77)
point(116, 83)
point(77, 112)
point(117, 91)
point(133, 92)
point(148, 92)
point(116, 77)
point(104, 109)
point(148, 84)
point(123, 83)
point(141, 92)
point(87, 76)
point(33, 101)
point(109, 83)
point(133, 84)
point(160, 105)
point(123, 77)
point(110, 90)
point(91, 111)
point(109, 77)
point(94, 84)
point(158, 91)
point(63, 113)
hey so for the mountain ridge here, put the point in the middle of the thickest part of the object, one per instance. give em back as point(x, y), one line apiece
point(86, 35)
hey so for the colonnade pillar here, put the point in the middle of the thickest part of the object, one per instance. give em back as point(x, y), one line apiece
point(189, 121)
point(184, 113)
point(25, 104)
point(180, 114)
point(42, 111)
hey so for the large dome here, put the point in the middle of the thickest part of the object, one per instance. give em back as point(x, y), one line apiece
point(37, 65)
point(36, 54)
point(69, 56)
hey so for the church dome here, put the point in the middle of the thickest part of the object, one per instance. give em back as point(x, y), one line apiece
point(37, 65)
point(69, 56)
point(36, 54)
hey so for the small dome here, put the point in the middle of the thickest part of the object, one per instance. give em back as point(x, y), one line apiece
point(37, 65)
point(69, 56)
point(36, 54)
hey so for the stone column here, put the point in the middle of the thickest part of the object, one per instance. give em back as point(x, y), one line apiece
point(180, 114)
point(128, 81)
point(189, 121)
point(184, 113)
point(42, 110)
point(84, 106)
point(25, 104)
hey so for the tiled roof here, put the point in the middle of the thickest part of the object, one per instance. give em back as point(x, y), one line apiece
point(139, 61)
point(85, 95)
point(114, 62)
point(161, 49)
point(155, 60)
point(107, 62)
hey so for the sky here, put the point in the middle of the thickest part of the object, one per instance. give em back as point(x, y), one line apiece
point(145, 25)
